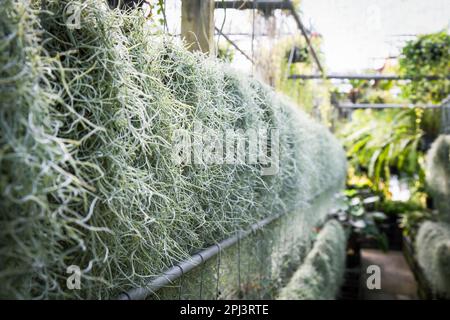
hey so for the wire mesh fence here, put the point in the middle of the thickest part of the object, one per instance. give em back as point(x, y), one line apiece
point(257, 266)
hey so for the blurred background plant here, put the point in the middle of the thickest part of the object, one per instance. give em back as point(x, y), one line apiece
point(411, 220)
point(225, 52)
point(291, 56)
point(427, 55)
point(356, 212)
point(385, 143)
point(382, 143)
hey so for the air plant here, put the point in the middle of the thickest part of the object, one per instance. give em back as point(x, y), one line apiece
point(87, 176)
point(321, 275)
point(433, 255)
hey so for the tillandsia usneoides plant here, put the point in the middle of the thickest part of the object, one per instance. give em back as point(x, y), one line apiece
point(321, 275)
point(87, 178)
point(438, 175)
point(433, 255)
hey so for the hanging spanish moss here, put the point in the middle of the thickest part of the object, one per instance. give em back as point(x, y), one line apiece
point(87, 179)
point(433, 256)
point(438, 175)
point(320, 276)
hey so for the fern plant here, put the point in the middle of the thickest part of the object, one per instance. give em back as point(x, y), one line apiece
point(380, 143)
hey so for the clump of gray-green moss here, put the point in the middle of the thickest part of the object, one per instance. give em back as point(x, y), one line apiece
point(321, 275)
point(438, 175)
point(433, 255)
point(87, 178)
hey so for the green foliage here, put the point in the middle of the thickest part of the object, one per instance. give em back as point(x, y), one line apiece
point(427, 55)
point(411, 220)
point(225, 52)
point(87, 118)
point(155, 11)
point(381, 142)
point(433, 255)
point(298, 54)
point(321, 276)
point(353, 211)
point(364, 91)
point(275, 68)
point(390, 207)
point(411, 214)
point(377, 142)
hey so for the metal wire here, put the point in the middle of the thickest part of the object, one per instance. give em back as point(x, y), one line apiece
point(220, 31)
point(202, 272)
point(253, 35)
point(239, 262)
point(258, 255)
point(196, 260)
point(219, 253)
point(291, 57)
point(180, 289)
point(234, 45)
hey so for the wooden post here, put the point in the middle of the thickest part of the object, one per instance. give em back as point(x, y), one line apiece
point(197, 24)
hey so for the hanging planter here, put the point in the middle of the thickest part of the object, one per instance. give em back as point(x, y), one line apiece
point(298, 55)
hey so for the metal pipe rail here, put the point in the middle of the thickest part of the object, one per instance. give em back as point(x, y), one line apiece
point(194, 261)
point(385, 106)
point(364, 77)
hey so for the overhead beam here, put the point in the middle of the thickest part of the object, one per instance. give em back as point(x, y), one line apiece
point(364, 77)
point(246, 34)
